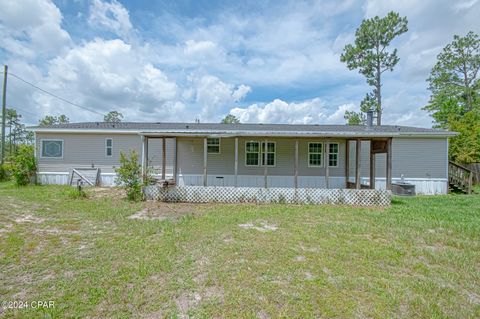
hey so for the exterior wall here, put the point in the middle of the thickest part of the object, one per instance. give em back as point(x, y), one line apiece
point(87, 150)
point(422, 161)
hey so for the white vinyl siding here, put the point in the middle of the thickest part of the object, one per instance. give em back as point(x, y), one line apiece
point(315, 154)
point(108, 147)
point(52, 148)
point(213, 145)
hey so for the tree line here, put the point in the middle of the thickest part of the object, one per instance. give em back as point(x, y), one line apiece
point(454, 81)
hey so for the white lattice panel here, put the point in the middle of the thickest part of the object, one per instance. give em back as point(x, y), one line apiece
point(200, 194)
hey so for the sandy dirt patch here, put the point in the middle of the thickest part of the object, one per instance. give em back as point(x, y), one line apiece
point(261, 226)
point(167, 211)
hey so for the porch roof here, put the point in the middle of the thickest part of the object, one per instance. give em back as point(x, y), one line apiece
point(219, 129)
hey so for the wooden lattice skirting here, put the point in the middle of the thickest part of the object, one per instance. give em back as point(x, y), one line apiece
point(224, 194)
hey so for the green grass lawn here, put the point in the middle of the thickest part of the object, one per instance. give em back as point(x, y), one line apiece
point(418, 258)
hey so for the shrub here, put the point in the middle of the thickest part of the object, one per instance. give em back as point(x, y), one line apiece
point(3, 173)
point(129, 175)
point(24, 166)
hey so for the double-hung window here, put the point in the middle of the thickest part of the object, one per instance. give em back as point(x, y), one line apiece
point(252, 153)
point(108, 147)
point(52, 148)
point(213, 145)
point(269, 148)
point(315, 154)
point(257, 153)
point(333, 154)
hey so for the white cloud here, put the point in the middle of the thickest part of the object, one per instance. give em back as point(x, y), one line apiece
point(111, 16)
point(278, 111)
point(29, 28)
point(110, 74)
point(213, 95)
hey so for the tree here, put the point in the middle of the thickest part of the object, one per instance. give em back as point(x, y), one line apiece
point(369, 55)
point(52, 120)
point(230, 119)
point(113, 117)
point(454, 81)
point(465, 147)
point(355, 118)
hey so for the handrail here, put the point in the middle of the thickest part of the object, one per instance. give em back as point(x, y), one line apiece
point(460, 176)
point(461, 166)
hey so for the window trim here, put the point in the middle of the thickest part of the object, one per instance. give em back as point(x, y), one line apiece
point(219, 145)
point(259, 154)
point(274, 153)
point(322, 154)
point(51, 140)
point(338, 153)
point(106, 146)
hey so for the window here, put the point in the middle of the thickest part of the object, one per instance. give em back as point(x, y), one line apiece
point(315, 155)
point(52, 148)
point(213, 145)
point(270, 153)
point(333, 154)
point(252, 153)
point(108, 147)
point(254, 156)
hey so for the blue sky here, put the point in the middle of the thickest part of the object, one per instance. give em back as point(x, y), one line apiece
point(269, 62)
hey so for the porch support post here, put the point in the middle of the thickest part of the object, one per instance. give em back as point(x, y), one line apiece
point(372, 166)
point(327, 169)
point(236, 162)
point(205, 155)
point(357, 163)
point(295, 181)
point(265, 167)
point(176, 163)
point(143, 157)
point(389, 165)
point(347, 162)
point(164, 158)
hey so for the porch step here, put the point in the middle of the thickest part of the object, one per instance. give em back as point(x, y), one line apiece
point(87, 176)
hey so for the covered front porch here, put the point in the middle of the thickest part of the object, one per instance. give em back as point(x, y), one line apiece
point(275, 162)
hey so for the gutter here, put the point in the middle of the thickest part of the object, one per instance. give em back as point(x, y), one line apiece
point(243, 133)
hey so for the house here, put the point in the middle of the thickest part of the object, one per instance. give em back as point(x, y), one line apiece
point(251, 155)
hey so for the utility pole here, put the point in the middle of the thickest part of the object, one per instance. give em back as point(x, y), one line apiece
point(4, 111)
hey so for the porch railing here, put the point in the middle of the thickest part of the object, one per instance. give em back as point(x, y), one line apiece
point(460, 177)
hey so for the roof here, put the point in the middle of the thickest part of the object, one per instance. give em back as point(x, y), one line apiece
point(207, 129)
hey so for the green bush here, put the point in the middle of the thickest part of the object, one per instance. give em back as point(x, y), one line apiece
point(24, 166)
point(129, 175)
point(3, 174)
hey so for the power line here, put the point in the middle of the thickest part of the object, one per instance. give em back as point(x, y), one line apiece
point(55, 96)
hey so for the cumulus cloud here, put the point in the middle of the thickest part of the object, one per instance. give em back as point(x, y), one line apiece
point(212, 95)
point(29, 28)
point(279, 111)
point(110, 74)
point(111, 16)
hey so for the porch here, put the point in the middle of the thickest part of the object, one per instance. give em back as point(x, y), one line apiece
point(282, 180)
point(188, 162)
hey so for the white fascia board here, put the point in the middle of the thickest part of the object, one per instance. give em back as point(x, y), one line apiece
point(86, 131)
point(224, 133)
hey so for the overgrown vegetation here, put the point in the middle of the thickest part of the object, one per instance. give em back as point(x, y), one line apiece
point(417, 259)
point(24, 165)
point(129, 175)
